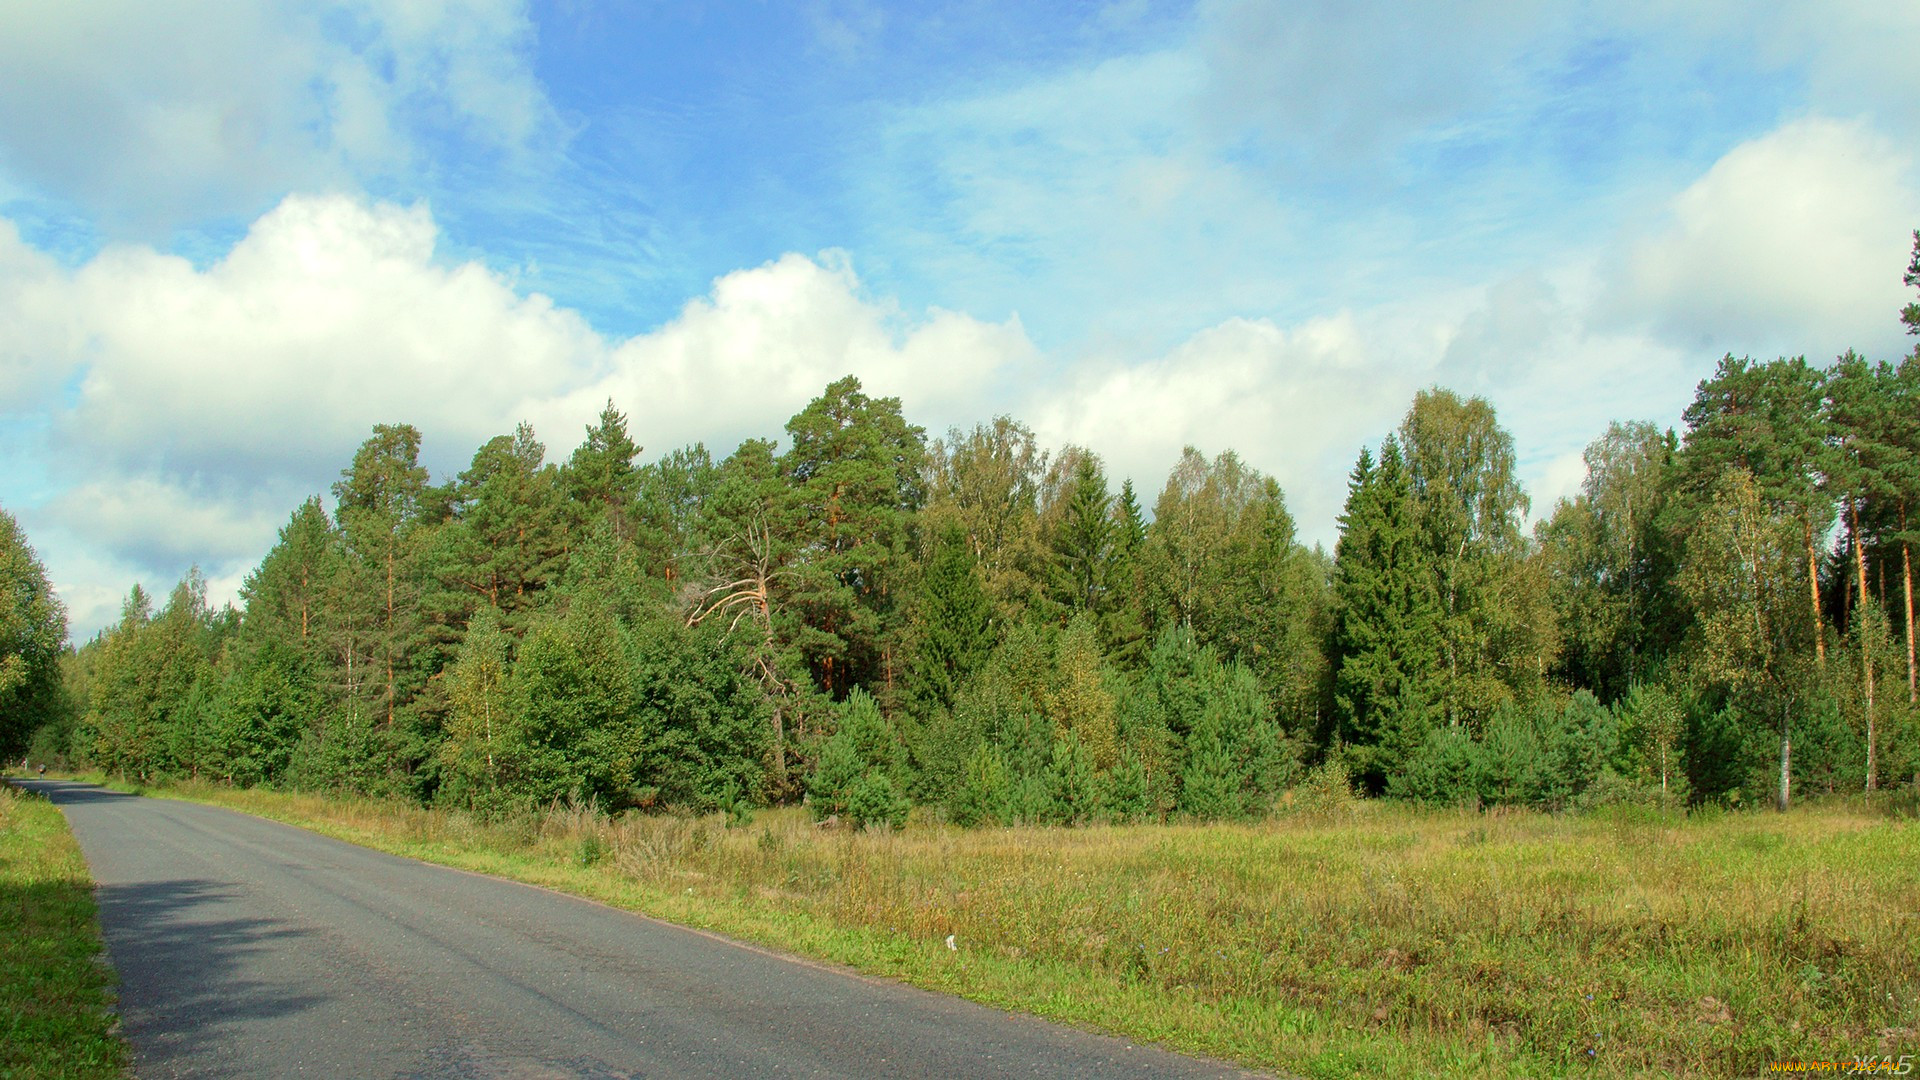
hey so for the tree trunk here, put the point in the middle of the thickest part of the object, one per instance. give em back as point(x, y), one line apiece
point(1813, 592)
point(1906, 583)
point(1864, 634)
point(1785, 799)
point(390, 637)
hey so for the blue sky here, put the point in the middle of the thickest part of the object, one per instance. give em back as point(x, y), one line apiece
point(235, 235)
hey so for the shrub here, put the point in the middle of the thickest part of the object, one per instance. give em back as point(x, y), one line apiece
point(875, 802)
point(1327, 792)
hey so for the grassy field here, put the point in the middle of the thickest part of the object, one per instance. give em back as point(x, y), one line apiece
point(54, 989)
point(1380, 940)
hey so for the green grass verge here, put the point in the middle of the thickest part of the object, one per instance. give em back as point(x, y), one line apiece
point(55, 987)
point(1385, 940)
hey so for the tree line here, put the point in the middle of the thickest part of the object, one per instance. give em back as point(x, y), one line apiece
point(868, 620)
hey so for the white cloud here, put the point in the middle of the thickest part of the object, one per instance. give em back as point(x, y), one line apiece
point(1296, 403)
point(1793, 242)
point(330, 315)
point(154, 521)
point(742, 360)
point(186, 411)
point(153, 114)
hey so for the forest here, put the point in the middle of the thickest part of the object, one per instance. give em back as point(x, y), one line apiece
point(868, 620)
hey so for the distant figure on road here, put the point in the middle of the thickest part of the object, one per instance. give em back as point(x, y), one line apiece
point(43, 769)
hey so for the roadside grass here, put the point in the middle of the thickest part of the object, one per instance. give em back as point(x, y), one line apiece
point(55, 988)
point(1373, 939)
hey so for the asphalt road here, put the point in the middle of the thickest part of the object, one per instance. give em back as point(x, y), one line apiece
point(249, 948)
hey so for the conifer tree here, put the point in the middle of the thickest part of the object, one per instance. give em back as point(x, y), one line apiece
point(379, 502)
point(506, 543)
point(1385, 621)
point(1764, 420)
point(954, 625)
point(1082, 538)
point(854, 481)
point(602, 478)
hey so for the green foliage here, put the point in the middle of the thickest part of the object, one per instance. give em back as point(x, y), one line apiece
point(981, 796)
point(1493, 631)
point(986, 628)
point(150, 700)
point(601, 477)
point(954, 626)
point(862, 746)
point(1445, 770)
point(33, 631)
point(1385, 619)
point(479, 756)
point(1326, 792)
point(1611, 564)
point(874, 802)
point(578, 732)
point(264, 705)
point(709, 735)
point(1081, 535)
point(853, 473)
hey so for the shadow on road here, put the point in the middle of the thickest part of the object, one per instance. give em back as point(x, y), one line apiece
point(186, 969)
point(67, 792)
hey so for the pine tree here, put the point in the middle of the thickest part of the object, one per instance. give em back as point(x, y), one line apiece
point(507, 542)
point(853, 472)
point(380, 499)
point(602, 479)
point(1861, 472)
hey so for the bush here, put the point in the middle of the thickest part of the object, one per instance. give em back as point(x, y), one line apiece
point(980, 796)
point(875, 802)
point(1122, 794)
point(1327, 792)
point(1445, 770)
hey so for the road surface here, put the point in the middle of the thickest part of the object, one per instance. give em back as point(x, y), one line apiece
point(247, 948)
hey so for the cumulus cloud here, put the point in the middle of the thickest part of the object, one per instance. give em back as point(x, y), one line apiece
point(742, 360)
point(1792, 242)
point(186, 410)
point(153, 114)
point(1296, 403)
point(329, 315)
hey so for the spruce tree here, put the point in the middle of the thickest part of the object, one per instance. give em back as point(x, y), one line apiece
point(954, 625)
point(1385, 621)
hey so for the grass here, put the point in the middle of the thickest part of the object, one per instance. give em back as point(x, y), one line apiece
point(1384, 939)
point(55, 988)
